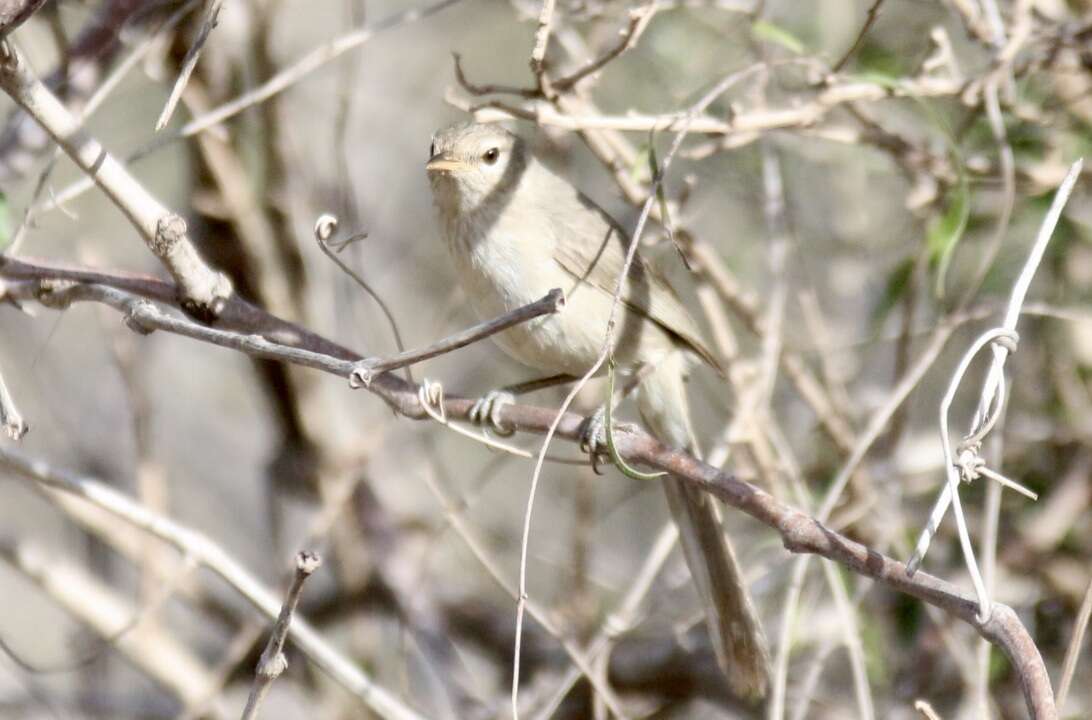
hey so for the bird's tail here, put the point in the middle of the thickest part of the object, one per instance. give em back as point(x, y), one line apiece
point(736, 633)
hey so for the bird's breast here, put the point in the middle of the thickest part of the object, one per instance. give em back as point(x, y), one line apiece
point(508, 268)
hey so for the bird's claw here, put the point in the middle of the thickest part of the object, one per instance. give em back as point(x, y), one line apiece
point(593, 437)
point(487, 408)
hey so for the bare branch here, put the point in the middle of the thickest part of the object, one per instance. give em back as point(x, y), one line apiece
point(212, 14)
point(542, 37)
point(476, 89)
point(164, 232)
point(273, 662)
point(639, 18)
point(144, 317)
point(551, 303)
point(325, 228)
point(306, 65)
point(798, 116)
point(870, 18)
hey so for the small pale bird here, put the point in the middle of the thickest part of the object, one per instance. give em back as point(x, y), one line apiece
point(516, 230)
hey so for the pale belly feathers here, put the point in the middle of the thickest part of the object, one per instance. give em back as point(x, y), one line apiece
point(500, 274)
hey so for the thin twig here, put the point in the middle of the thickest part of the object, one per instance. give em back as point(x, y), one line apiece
point(926, 710)
point(325, 228)
point(1073, 651)
point(366, 370)
point(870, 18)
point(306, 65)
point(743, 123)
point(272, 662)
point(212, 14)
point(639, 18)
point(488, 89)
point(542, 38)
point(988, 545)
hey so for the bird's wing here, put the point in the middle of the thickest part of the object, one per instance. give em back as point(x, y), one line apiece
point(646, 292)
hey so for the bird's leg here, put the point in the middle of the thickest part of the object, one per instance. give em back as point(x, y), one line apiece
point(487, 408)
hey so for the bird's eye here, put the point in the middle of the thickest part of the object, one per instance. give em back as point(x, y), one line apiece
point(432, 149)
point(491, 155)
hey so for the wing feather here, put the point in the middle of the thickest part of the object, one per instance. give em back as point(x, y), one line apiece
point(599, 265)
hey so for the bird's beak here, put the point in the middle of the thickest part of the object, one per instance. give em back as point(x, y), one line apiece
point(444, 163)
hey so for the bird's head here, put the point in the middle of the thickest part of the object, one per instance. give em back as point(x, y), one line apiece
point(471, 164)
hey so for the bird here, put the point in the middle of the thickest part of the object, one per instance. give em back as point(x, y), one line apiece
point(517, 229)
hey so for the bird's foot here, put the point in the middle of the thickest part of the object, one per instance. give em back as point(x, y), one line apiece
point(593, 436)
point(593, 433)
point(486, 411)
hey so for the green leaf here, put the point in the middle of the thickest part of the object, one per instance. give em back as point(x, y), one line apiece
point(768, 32)
point(945, 232)
point(898, 281)
point(875, 59)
